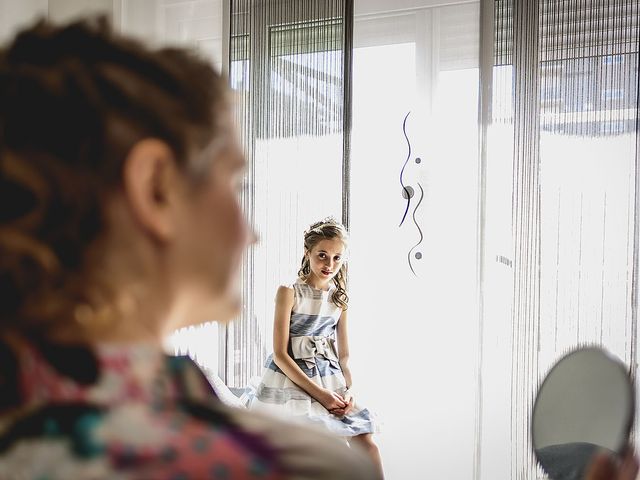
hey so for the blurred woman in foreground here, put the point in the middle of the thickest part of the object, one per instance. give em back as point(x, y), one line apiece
point(119, 223)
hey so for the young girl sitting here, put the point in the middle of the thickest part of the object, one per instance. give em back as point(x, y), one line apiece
point(308, 375)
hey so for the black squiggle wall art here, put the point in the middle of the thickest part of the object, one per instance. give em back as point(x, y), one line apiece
point(408, 193)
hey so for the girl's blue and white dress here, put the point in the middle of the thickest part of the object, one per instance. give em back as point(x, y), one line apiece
point(312, 345)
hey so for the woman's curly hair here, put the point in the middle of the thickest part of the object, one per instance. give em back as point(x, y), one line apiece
point(74, 100)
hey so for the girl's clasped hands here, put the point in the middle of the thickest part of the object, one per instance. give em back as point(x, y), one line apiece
point(337, 404)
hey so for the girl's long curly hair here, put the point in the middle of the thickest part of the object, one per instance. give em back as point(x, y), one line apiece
point(327, 229)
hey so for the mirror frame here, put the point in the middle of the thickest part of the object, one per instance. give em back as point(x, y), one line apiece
point(619, 364)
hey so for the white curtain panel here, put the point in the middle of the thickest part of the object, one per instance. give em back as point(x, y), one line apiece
point(561, 206)
point(288, 71)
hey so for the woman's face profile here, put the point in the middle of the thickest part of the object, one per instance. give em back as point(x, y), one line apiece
point(212, 237)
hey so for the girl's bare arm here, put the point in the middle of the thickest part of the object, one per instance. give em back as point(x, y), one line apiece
point(343, 356)
point(343, 347)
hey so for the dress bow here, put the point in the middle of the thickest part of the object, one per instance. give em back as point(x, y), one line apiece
point(308, 347)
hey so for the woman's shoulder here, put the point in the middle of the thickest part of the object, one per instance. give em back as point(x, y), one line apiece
point(305, 448)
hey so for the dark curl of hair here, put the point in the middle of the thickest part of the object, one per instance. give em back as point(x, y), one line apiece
point(74, 100)
point(327, 229)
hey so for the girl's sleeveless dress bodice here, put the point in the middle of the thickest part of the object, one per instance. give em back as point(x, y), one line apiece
point(312, 345)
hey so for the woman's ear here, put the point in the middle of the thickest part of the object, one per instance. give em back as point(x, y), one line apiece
point(152, 185)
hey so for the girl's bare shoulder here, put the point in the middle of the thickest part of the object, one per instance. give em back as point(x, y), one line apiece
point(285, 293)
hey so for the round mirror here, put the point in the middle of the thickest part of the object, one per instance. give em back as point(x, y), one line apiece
point(584, 406)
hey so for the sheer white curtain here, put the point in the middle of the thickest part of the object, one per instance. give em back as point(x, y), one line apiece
point(561, 205)
point(287, 68)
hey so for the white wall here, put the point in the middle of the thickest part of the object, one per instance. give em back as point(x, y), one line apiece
point(67, 10)
point(15, 14)
point(191, 22)
point(414, 337)
point(369, 7)
point(186, 22)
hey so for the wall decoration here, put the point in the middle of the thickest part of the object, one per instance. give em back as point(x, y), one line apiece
point(408, 193)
